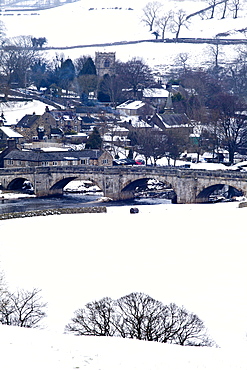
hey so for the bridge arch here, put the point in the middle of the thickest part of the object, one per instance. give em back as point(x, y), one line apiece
point(218, 190)
point(59, 185)
point(141, 184)
point(20, 184)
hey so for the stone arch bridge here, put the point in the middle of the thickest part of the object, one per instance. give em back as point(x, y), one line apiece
point(119, 182)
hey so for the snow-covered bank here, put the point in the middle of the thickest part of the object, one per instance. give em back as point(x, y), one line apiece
point(193, 255)
point(14, 112)
point(30, 349)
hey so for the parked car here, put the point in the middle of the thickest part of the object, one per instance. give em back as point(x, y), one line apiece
point(124, 162)
point(140, 162)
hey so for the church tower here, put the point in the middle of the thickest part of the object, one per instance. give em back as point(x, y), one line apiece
point(169, 106)
point(105, 63)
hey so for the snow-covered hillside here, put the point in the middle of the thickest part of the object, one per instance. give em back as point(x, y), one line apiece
point(29, 349)
point(193, 255)
point(110, 21)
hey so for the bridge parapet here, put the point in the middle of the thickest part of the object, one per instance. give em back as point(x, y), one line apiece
point(114, 181)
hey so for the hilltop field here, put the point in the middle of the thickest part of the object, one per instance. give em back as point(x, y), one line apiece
point(97, 22)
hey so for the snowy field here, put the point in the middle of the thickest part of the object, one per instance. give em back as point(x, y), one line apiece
point(14, 112)
point(193, 255)
point(111, 21)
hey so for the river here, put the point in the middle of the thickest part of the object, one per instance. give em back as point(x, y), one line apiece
point(68, 200)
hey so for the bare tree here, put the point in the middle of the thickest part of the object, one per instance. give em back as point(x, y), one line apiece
point(150, 142)
point(212, 5)
point(140, 315)
point(182, 59)
point(187, 328)
point(3, 287)
point(236, 78)
point(215, 51)
point(235, 7)
point(22, 308)
point(112, 87)
point(16, 58)
point(225, 3)
point(150, 12)
point(135, 74)
point(177, 142)
point(97, 318)
point(163, 22)
point(231, 122)
point(179, 20)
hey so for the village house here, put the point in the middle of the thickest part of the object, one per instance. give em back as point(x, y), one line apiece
point(51, 124)
point(33, 158)
point(157, 97)
point(135, 108)
point(172, 121)
point(7, 133)
point(34, 127)
point(116, 135)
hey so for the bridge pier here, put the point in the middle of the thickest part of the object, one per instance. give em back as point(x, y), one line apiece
point(186, 189)
point(124, 195)
point(48, 193)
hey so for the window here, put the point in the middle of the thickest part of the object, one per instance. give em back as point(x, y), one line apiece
point(45, 164)
point(107, 63)
point(54, 163)
point(84, 161)
point(104, 161)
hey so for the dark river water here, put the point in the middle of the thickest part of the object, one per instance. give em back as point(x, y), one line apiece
point(69, 200)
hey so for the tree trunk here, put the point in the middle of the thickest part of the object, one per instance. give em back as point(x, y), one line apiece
point(224, 10)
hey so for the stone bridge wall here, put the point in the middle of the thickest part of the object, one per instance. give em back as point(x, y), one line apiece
point(186, 183)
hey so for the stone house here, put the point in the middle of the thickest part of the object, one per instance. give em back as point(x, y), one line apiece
point(172, 121)
point(35, 127)
point(67, 120)
point(116, 135)
point(33, 158)
point(135, 108)
point(157, 97)
point(6, 134)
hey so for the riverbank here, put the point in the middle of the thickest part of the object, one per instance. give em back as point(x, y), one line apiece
point(50, 212)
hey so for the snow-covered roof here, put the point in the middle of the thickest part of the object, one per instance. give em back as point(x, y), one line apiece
point(10, 133)
point(155, 93)
point(136, 104)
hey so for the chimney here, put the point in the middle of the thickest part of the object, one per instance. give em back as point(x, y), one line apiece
point(11, 145)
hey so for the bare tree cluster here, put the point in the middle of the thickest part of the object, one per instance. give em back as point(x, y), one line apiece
point(16, 59)
point(22, 308)
point(221, 8)
point(155, 144)
point(159, 20)
point(139, 316)
point(156, 17)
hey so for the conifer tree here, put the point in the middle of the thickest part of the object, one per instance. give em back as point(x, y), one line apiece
point(88, 68)
point(94, 140)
